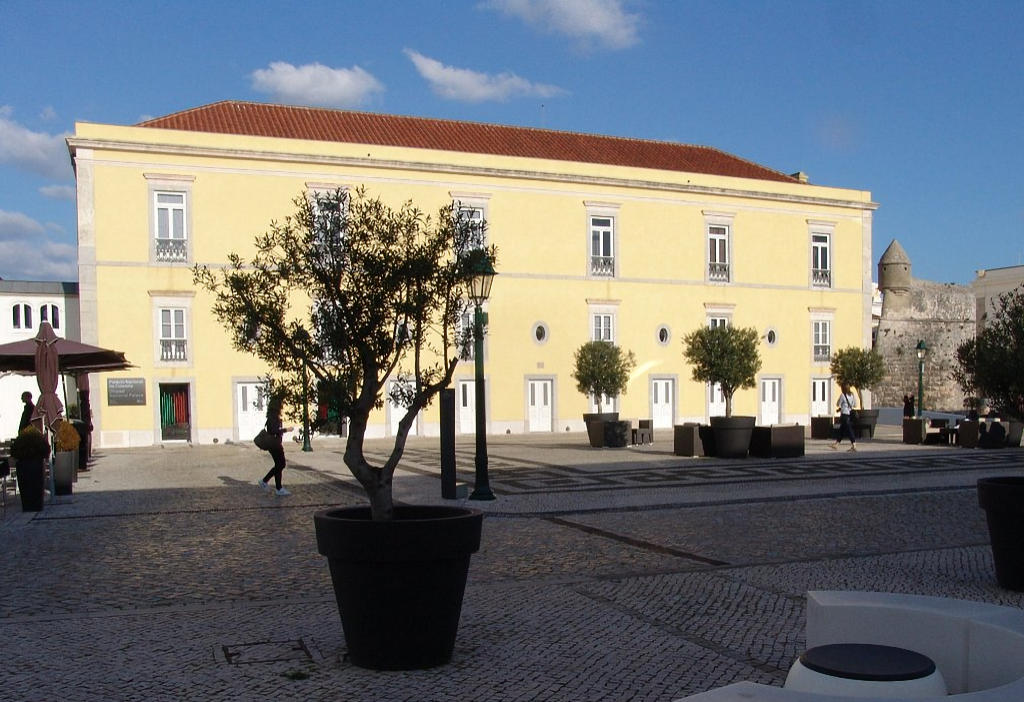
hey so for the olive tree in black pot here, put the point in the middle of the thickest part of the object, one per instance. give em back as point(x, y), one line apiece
point(601, 369)
point(345, 295)
point(727, 356)
point(862, 369)
point(30, 449)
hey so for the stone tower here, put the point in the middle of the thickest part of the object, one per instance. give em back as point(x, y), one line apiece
point(894, 279)
point(941, 315)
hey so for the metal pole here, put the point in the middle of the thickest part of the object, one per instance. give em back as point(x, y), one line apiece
point(482, 485)
point(920, 387)
point(305, 409)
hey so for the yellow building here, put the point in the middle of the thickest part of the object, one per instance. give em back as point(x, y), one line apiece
point(635, 241)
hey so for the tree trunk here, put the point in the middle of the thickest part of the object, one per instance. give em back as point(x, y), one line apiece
point(375, 481)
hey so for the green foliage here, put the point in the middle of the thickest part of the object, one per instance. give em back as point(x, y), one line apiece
point(992, 364)
point(860, 368)
point(724, 355)
point(67, 438)
point(29, 444)
point(353, 292)
point(602, 368)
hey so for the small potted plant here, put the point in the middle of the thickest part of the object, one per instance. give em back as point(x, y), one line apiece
point(65, 463)
point(727, 356)
point(601, 370)
point(30, 449)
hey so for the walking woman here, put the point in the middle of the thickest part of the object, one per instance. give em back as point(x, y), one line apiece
point(845, 404)
point(276, 429)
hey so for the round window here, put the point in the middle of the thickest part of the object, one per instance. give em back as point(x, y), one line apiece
point(664, 335)
point(540, 332)
point(771, 337)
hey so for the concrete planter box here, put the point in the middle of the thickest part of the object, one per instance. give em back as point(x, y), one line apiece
point(686, 440)
point(823, 427)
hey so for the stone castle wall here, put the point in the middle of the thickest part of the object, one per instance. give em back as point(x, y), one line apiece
point(943, 315)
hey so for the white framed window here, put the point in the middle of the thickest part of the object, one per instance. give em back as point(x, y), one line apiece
point(170, 217)
point(602, 246)
point(718, 228)
point(475, 217)
point(663, 335)
point(540, 333)
point(821, 260)
point(821, 333)
point(602, 327)
point(172, 336)
point(601, 239)
point(473, 208)
point(173, 341)
point(715, 322)
point(171, 231)
point(718, 253)
point(51, 314)
point(21, 316)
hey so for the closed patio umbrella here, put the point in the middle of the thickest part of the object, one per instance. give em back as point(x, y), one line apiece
point(49, 407)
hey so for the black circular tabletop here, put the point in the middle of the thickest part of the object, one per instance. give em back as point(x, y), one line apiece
point(868, 662)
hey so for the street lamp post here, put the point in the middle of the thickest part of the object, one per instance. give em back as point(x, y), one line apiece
point(479, 291)
point(922, 351)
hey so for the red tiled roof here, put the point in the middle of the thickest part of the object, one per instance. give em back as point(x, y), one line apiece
point(283, 121)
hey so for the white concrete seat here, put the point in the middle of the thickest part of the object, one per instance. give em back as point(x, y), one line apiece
point(978, 647)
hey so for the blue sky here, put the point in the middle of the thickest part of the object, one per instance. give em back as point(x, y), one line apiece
point(921, 103)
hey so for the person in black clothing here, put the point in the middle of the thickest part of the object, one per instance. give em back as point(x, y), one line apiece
point(26, 414)
point(276, 429)
point(908, 405)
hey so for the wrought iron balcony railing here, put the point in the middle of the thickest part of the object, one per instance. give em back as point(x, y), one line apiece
point(173, 350)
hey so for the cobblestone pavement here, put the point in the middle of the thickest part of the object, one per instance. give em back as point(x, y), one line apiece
point(603, 575)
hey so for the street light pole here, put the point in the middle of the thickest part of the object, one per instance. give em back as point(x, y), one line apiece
point(482, 483)
point(479, 290)
point(922, 351)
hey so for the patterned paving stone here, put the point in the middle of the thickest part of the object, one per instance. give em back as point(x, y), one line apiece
point(171, 576)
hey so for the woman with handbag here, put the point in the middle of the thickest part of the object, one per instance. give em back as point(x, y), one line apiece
point(845, 405)
point(276, 430)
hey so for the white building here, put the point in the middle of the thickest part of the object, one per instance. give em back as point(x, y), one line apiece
point(23, 305)
point(989, 284)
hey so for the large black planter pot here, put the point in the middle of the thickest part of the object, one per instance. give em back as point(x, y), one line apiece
point(595, 426)
point(1003, 502)
point(864, 422)
point(30, 484)
point(399, 584)
point(732, 436)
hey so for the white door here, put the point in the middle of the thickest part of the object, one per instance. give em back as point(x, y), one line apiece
point(663, 392)
point(539, 405)
point(397, 412)
point(467, 406)
point(821, 397)
point(716, 401)
point(250, 409)
point(771, 390)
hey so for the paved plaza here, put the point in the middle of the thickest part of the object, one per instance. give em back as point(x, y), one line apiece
point(604, 574)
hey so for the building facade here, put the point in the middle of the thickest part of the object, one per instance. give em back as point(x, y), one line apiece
point(989, 284)
point(636, 242)
point(24, 304)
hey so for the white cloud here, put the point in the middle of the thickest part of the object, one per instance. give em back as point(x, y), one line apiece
point(471, 86)
point(316, 84)
point(48, 113)
point(604, 20)
point(38, 260)
point(59, 192)
point(37, 152)
point(15, 225)
point(26, 252)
